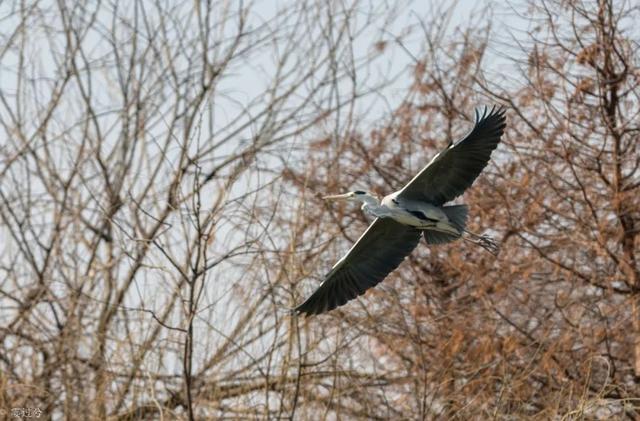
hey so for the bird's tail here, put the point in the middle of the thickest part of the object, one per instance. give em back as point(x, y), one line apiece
point(451, 230)
point(457, 215)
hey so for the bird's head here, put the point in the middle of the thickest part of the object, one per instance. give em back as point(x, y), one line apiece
point(357, 195)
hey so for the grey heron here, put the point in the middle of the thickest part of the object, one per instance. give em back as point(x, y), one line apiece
point(417, 210)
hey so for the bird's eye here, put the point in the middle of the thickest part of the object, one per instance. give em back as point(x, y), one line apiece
point(359, 192)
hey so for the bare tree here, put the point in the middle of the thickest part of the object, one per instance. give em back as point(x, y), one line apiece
point(142, 147)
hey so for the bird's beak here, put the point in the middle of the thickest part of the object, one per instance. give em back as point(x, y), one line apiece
point(337, 196)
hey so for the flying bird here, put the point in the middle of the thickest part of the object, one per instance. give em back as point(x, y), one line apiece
point(417, 210)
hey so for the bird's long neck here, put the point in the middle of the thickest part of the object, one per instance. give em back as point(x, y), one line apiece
point(371, 205)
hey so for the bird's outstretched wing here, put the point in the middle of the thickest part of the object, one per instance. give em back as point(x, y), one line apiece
point(454, 169)
point(377, 252)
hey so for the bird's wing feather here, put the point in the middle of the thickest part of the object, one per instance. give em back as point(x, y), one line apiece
point(454, 169)
point(377, 252)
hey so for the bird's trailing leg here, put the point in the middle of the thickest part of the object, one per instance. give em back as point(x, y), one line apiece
point(484, 241)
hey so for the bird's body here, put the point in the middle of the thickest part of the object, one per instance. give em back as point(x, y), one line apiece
point(402, 218)
point(422, 215)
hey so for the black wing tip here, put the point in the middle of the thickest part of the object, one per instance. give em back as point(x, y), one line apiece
point(498, 111)
point(310, 308)
point(493, 119)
